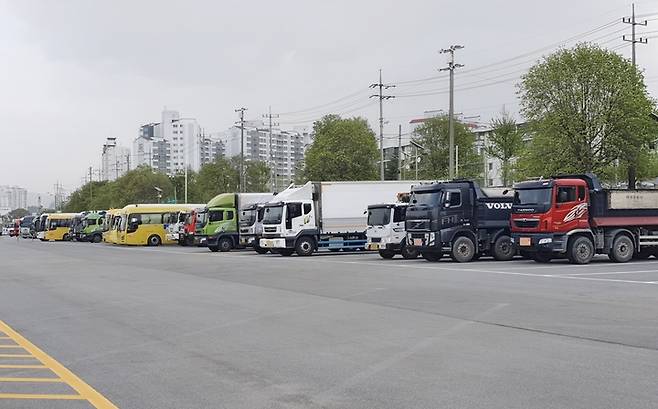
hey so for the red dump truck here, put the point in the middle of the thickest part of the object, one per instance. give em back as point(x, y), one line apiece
point(574, 217)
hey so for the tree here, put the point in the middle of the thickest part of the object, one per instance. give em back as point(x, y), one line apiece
point(178, 182)
point(257, 176)
point(588, 108)
point(343, 149)
point(433, 135)
point(17, 213)
point(505, 143)
point(86, 197)
point(216, 177)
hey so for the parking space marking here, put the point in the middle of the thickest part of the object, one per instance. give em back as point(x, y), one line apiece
point(608, 273)
point(63, 375)
point(501, 272)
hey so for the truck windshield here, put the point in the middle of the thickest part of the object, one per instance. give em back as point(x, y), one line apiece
point(201, 218)
point(273, 215)
point(379, 216)
point(541, 196)
point(247, 217)
point(425, 198)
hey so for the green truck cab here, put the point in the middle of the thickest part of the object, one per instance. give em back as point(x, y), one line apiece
point(92, 227)
point(218, 227)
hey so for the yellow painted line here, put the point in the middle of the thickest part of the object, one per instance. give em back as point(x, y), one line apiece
point(15, 356)
point(12, 366)
point(86, 392)
point(38, 396)
point(38, 380)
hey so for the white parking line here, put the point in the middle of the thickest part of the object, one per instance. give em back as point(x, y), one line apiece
point(608, 273)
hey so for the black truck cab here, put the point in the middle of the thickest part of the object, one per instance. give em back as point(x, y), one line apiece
point(459, 219)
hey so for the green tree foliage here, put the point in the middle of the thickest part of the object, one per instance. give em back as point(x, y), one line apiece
point(505, 143)
point(257, 176)
point(588, 108)
point(178, 182)
point(136, 186)
point(220, 176)
point(343, 149)
point(17, 213)
point(433, 135)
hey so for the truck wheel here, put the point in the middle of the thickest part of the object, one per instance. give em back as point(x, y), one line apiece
point(503, 250)
point(541, 258)
point(387, 254)
point(96, 238)
point(431, 256)
point(463, 250)
point(622, 249)
point(66, 237)
point(305, 246)
point(225, 244)
point(581, 250)
point(154, 240)
point(409, 253)
point(286, 252)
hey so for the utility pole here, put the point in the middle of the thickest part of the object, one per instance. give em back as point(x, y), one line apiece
point(272, 161)
point(451, 120)
point(632, 170)
point(128, 162)
point(241, 113)
point(381, 97)
point(633, 40)
point(91, 191)
point(400, 152)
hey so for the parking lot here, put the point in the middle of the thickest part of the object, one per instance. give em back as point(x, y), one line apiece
point(176, 327)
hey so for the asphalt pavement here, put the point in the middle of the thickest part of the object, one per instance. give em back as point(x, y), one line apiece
point(175, 327)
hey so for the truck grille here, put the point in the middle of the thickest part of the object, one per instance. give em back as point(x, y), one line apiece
point(270, 229)
point(418, 224)
point(526, 223)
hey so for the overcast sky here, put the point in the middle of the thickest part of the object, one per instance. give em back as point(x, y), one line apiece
point(75, 72)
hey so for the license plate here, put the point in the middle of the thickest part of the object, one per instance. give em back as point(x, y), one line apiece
point(418, 242)
point(374, 246)
point(524, 241)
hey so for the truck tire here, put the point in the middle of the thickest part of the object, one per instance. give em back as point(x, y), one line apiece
point(463, 250)
point(286, 252)
point(96, 238)
point(622, 249)
point(431, 256)
point(154, 240)
point(387, 254)
point(225, 244)
point(408, 253)
point(581, 250)
point(305, 246)
point(503, 250)
point(66, 237)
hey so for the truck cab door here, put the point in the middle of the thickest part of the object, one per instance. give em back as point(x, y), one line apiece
point(452, 205)
point(295, 218)
point(570, 208)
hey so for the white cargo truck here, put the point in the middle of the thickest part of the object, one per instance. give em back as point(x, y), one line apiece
point(330, 215)
point(386, 232)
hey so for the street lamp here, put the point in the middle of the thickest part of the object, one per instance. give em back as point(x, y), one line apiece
point(157, 189)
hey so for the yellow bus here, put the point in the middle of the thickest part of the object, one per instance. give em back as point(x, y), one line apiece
point(147, 224)
point(57, 226)
point(111, 224)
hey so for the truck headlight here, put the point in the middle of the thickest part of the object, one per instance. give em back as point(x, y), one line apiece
point(546, 240)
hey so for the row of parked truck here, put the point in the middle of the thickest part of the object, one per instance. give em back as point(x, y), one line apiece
point(569, 216)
